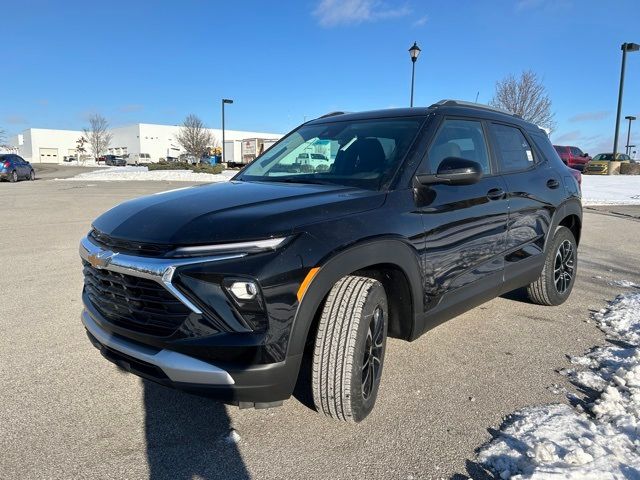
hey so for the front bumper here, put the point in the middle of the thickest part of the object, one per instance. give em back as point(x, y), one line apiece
point(259, 386)
point(210, 353)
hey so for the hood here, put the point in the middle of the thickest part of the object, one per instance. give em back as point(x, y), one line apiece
point(232, 211)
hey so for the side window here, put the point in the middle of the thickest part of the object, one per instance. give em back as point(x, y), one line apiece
point(513, 148)
point(576, 151)
point(459, 138)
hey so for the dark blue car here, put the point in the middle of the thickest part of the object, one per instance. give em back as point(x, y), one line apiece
point(14, 167)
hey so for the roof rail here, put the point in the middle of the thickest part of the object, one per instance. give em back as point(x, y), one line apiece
point(462, 103)
point(332, 114)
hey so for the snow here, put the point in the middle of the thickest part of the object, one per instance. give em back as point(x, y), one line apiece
point(142, 173)
point(598, 440)
point(611, 189)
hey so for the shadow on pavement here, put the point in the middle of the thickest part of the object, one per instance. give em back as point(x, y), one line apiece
point(188, 437)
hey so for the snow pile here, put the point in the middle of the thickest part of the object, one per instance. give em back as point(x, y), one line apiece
point(600, 441)
point(142, 173)
point(611, 189)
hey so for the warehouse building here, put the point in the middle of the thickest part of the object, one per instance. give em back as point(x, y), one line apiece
point(40, 145)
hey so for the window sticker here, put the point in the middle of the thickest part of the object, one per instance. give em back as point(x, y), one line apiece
point(529, 155)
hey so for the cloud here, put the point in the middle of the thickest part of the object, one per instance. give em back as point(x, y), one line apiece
point(420, 22)
point(590, 116)
point(568, 137)
point(133, 107)
point(16, 120)
point(43, 102)
point(333, 13)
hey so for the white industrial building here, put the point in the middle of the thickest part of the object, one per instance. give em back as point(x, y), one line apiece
point(40, 145)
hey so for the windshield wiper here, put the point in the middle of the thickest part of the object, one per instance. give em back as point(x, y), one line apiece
point(310, 181)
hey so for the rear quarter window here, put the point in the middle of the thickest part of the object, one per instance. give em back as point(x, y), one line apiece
point(546, 149)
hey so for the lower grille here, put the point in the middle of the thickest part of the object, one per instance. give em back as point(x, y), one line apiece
point(133, 303)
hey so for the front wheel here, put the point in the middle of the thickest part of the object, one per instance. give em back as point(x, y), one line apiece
point(349, 349)
point(32, 175)
point(555, 283)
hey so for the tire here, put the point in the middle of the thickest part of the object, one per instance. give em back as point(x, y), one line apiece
point(32, 175)
point(14, 177)
point(558, 275)
point(351, 337)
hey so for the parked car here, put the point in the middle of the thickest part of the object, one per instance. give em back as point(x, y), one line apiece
point(69, 158)
point(113, 160)
point(13, 168)
point(187, 158)
point(223, 289)
point(599, 165)
point(137, 158)
point(572, 156)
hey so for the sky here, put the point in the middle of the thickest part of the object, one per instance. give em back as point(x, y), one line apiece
point(289, 61)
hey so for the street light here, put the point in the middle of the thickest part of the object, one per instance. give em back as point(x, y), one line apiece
point(224, 100)
point(625, 47)
point(631, 118)
point(414, 51)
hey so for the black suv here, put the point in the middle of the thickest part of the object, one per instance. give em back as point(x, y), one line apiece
point(422, 213)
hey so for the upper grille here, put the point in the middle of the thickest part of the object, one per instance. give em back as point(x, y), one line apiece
point(134, 303)
point(136, 248)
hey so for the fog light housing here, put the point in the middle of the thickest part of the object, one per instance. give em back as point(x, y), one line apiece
point(243, 290)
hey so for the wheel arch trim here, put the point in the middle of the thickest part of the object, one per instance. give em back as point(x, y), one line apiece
point(395, 252)
point(569, 207)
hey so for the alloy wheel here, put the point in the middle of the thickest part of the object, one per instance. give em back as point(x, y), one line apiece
point(372, 361)
point(564, 266)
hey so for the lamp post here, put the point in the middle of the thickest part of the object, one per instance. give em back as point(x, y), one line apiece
point(631, 118)
point(625, 47)
point(414, 51)
point(224, 100)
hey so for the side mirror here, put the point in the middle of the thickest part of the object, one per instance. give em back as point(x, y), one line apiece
point(585, 155)
point(453, 171)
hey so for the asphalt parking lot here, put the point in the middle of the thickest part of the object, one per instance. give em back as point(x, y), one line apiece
point(65, 412)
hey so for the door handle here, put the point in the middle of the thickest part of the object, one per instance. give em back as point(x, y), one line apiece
point(553, 183)
point(495, 194)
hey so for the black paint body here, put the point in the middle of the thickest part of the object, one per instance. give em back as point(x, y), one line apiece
point(439, 250)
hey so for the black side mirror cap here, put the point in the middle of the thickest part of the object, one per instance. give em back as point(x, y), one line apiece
point(453, 171)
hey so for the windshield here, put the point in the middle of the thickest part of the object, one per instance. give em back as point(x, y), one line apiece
point(604, 156)
point(363, 154)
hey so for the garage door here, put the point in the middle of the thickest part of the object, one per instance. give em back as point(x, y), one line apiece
point(48, 155)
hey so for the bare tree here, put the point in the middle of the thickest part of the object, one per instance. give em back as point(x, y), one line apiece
point(194, 137)
point(98, 135)
point(525, 96)
point(3, 137)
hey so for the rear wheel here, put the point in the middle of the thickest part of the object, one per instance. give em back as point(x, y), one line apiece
point(349, 349)
point(14, 177)
point(555, 283)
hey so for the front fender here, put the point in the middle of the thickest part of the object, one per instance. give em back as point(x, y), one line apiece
point(357, 257)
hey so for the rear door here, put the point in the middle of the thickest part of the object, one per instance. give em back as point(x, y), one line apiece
point(534, 190)
point(24, 167)
point(465, 225)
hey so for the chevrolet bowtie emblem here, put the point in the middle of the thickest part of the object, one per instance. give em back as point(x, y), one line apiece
point(101, 259)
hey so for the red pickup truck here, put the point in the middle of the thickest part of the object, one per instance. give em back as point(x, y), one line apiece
point(572, 157)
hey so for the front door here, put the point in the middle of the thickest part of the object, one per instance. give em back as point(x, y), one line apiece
point(465, 225)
